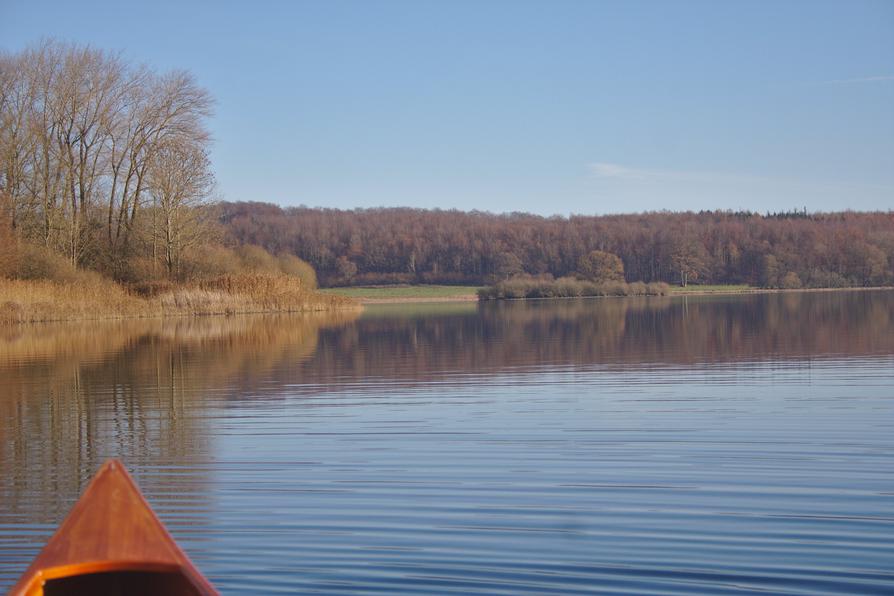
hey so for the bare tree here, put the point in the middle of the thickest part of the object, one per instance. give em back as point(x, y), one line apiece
point(80, 130)
point(39, 70)
point(180, 182)
point(87, 93)
point(165, 111)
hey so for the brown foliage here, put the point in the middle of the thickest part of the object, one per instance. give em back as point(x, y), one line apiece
point(601, 267)
point(293, 266)
point(416, 245)
point(9, 249)
point(34, 262)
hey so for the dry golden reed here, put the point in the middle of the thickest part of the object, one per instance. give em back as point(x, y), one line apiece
point(92, 297)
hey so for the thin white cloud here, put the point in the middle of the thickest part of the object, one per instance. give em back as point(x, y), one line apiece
point(875, 79)
point(603, 169)
point(606, 170)
point(621, 176)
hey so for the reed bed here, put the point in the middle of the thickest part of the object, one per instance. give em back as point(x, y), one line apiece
point(93, 297)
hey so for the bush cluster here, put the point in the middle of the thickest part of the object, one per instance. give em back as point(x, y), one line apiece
point(526, 286)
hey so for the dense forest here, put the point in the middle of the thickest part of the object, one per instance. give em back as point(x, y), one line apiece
point(403, 245)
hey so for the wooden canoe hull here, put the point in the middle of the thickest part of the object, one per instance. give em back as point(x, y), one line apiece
point(112, 543)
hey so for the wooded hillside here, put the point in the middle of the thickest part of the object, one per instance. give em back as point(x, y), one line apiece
point(389, 245)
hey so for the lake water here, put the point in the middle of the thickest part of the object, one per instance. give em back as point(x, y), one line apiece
point(740, 444)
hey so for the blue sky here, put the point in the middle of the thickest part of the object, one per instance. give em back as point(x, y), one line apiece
point(547, 107)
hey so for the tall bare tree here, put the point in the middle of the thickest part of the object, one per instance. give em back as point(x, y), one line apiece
point(180, 181)
point(167, 110)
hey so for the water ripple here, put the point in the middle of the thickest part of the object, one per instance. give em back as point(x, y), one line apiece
point(561, 449)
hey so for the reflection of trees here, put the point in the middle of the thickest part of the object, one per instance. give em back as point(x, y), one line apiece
point(72, 395)
point(610, 332)
point(75, 394)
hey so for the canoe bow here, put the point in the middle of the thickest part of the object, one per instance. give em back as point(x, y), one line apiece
point(112, 543)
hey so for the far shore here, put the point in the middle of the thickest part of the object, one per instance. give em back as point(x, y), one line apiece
point(415, 294)
point(678, 291)
point(29, 301)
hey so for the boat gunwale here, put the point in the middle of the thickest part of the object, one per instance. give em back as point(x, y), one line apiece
point(46, 574)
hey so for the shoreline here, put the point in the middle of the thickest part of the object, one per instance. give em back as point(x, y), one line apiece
point(675, 293)
point(721, 292)
point(702, 293)
point(334, 301)
point(173, 315)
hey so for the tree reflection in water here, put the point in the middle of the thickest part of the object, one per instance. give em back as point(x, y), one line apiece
point(167, 396)
point(607, 332)
point(75, 394)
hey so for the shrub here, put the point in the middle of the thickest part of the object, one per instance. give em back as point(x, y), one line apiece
point(526, 286)
point(40, 263)
point(145, 269)
point(570, 287)
point(256, 259)
point(210, 261)
point(152, 288)
point(9, 253)
point(615, 289)
point(601, 267)
point(487, 293)
point(658, 288)
point(791, 281)
point(637, 288)
point(292, 265)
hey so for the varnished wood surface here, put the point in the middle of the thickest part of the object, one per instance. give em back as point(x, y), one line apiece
point(111, 531)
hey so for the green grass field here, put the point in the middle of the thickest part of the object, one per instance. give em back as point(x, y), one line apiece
point(402, 292)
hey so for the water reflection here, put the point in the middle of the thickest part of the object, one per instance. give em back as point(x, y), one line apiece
point(75, 394)
point(715, 444)
point(609, 333)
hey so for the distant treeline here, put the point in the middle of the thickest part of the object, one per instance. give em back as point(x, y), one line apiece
point(402, 245)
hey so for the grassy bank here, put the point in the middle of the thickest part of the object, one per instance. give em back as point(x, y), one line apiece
point(567, 287)
point(95, 297)
point(406, 293)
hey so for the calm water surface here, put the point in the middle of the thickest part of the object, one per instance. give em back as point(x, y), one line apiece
point(703, 445)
